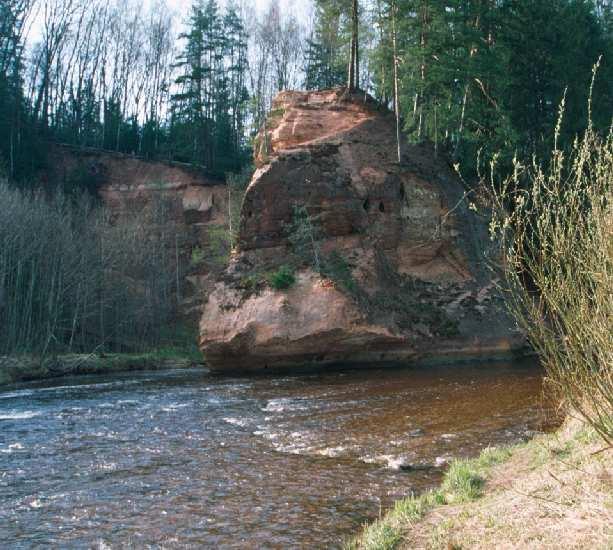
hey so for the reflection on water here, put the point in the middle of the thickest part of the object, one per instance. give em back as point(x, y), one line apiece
point(185, 459)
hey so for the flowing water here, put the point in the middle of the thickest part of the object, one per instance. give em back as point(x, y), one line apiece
point(185, 459)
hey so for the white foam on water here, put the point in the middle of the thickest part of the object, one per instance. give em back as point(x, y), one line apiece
point(80, 387)
point(442, 461)
point(118, 384)
point(393, 462)
point(396, 462)
point(16, 394)
point(293, 448)
point(12, 448)
point(265, 432)
point(175, 407)
point(18, 415)
point(332, 452)
point(242, 422)
point(284, 404)
point(105, 467)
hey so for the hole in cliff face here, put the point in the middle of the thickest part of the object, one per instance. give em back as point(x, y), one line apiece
point(366, 205)
point(381, 207)
point(402, 194)
point(249, 214)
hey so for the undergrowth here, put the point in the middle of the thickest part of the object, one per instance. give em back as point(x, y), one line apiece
point(555, 221)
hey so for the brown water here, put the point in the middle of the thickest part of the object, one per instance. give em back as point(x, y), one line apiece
point(183, 459)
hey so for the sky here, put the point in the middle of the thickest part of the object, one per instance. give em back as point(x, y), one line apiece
point(301, 9)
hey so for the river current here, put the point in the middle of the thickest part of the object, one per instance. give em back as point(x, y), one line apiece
point(184, 459)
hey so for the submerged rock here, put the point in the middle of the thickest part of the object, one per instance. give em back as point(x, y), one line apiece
point(393, 267)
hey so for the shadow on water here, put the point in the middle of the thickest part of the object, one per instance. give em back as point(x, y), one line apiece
point(183, 458)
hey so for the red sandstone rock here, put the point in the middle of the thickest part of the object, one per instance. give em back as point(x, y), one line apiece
point(416, 252)
point(197, 205)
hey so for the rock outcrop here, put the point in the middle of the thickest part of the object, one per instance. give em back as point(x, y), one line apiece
point(392, 269)
point(195, 205)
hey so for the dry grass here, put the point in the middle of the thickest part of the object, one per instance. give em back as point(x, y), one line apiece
point(553, 492)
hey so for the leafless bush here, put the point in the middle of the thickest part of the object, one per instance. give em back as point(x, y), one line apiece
point(74, 279)
point(556, 225)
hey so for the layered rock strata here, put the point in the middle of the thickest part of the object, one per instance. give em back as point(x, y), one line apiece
point(392, 269)
point(194, 205)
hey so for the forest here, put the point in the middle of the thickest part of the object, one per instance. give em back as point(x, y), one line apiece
point(473, 77)
point(476, 80)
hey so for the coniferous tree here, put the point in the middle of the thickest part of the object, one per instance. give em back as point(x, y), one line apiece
point(328, 50)
point(20, 152)
point(552, 47)
point(208, 112)
point(483, 75)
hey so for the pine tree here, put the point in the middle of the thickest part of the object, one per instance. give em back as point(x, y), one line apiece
point(20, 151)
point(328, 50)
point(208, 114)
point(552, 48)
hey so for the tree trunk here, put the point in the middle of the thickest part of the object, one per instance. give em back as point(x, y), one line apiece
point(356, 40)
point(396, 91)
point(351, 77)
point(353, 80)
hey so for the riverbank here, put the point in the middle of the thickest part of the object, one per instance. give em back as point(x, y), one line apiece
point(25, 368)
point(557, 487)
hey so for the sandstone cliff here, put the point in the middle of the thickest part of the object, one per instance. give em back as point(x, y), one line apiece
point(398, 272)
point(196, 206)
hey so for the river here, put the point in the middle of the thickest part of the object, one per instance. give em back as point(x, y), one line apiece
point(185, 459)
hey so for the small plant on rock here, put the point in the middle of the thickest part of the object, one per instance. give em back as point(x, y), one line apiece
point(282, 279)
point(303, 235)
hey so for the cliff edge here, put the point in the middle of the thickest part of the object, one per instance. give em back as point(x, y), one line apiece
point(385, 259)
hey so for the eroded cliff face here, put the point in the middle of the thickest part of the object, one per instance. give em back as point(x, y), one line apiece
point(400, 273)
point(194, 205)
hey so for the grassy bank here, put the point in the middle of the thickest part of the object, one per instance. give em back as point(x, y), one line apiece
point(26, 368)
point(553, 490)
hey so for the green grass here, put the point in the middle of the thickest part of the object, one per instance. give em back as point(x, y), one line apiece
point(28, 368)
point(177, 348)
point(382, 536)
point(463, 482)
point(282, 279)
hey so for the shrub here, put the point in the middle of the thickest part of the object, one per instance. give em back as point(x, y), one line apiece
point(336, 268)
point(237, 186)
point(556, 227)
point(197, 257)
point(74, 278)
point(304, 235)
point(282, 279)
point(220, 245)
